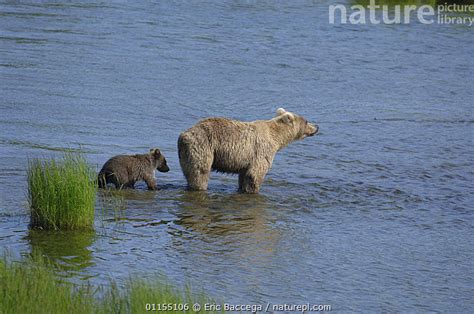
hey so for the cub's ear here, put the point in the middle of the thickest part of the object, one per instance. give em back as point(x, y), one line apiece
point(287, 117)
point(155, 151)
point(280, 111)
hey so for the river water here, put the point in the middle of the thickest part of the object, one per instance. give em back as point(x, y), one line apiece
point(373, 214)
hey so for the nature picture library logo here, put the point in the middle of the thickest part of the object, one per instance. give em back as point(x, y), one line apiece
point(373, 13)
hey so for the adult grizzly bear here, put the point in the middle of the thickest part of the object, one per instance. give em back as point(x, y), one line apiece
point(125, 170)
point(244, 148)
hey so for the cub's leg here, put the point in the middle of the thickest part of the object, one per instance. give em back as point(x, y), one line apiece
point(112, 178)
point(150, 182)
point(128, 185)
point(101, 180)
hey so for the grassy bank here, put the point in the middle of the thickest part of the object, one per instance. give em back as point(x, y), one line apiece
point(31, 287)
point(61, 193)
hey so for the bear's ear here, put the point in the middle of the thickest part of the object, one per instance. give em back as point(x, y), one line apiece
point(287, 117)
point(280, 111)
point(155, 151)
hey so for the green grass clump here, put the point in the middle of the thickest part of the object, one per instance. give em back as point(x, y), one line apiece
point(140, 296)
point(30, 286)
point(61, 193)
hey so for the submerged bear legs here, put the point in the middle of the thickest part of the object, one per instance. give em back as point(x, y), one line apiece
point(101, 180)
point(150, 182)
point(197, 173)
point(198, 180)
point(110, 177)
point(251, 179)
point(249, 183)
point(196, 161)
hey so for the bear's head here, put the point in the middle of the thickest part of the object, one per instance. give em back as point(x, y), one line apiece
point(159, 160)
point(298, 127)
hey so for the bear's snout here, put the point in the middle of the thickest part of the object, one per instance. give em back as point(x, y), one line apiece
point(164, 168)
point(314, 129)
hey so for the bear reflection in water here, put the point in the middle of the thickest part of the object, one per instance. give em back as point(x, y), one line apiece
point(222, 214)
point(236, 227)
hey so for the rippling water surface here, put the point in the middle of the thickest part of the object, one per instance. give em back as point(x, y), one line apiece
point(375, 213)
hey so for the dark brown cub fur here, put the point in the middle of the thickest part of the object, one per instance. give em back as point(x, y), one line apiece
point(124, 170)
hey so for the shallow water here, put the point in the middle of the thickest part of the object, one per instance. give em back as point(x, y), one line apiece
point(373, 214)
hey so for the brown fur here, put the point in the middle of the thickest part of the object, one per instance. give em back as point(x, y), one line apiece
point(244, 148)
point(124, 170)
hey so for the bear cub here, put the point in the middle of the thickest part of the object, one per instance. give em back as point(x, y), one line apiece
point(124, 170)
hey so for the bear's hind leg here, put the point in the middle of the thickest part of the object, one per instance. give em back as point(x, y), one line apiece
point(196, 166)
point(101, 180)
point(129, 185)
point(112, 178)
point(198, 179)
point(198, 174)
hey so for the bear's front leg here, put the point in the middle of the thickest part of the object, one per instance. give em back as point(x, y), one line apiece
point(250, 181)
point(151, 183)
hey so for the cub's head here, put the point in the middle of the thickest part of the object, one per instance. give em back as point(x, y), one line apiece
point(298, 127)
point(159, 160)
